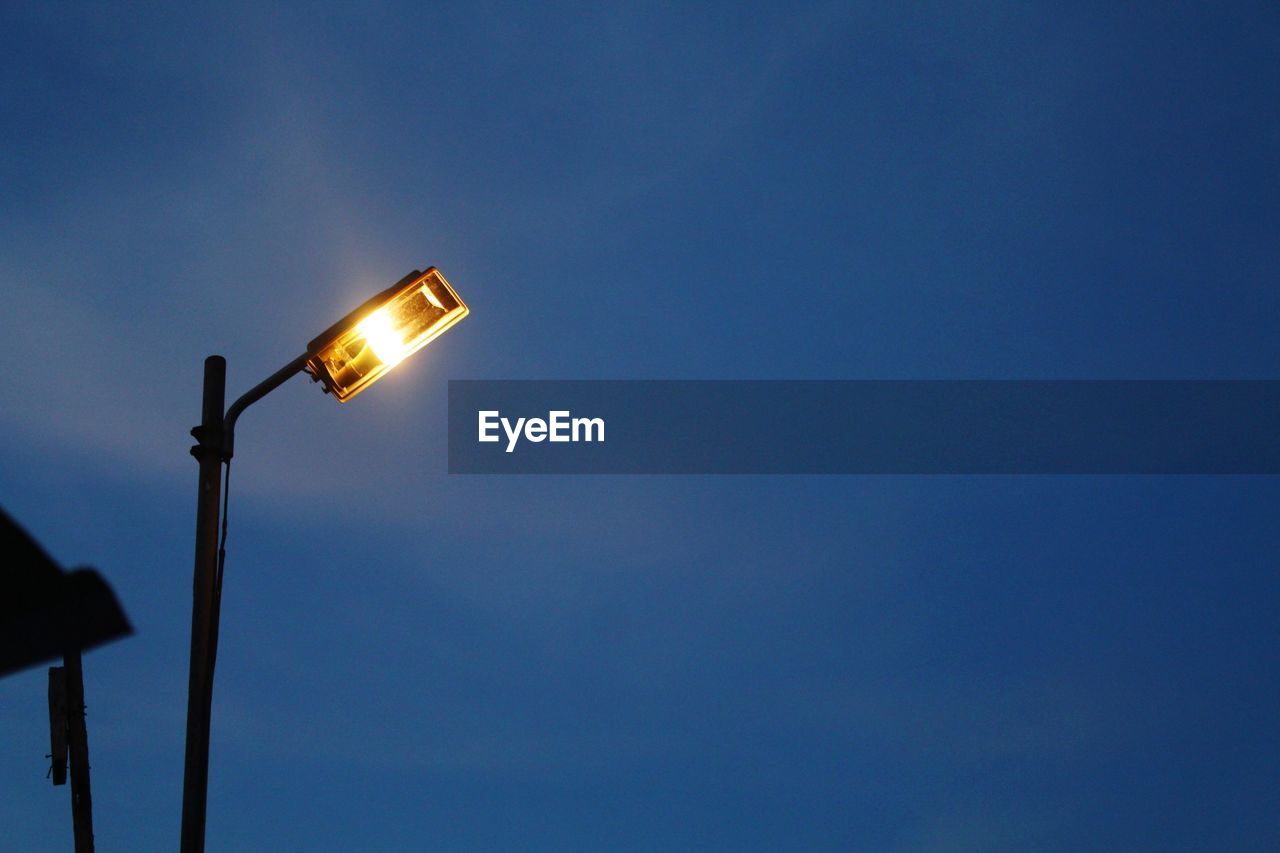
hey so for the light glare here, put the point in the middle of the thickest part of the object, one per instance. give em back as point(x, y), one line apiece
point(383, 338)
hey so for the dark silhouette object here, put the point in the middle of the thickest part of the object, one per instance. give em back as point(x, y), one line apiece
point(47, 613)
point(43, 610)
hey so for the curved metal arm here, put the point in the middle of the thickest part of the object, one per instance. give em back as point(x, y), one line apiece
point(253, 395)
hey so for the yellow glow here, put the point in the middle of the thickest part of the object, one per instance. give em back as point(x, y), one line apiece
point(383, 337)
point(353, 354)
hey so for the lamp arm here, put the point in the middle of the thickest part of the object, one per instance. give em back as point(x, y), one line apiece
point(253, 395)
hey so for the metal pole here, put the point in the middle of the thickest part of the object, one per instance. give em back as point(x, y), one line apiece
point(78, 748)
point(209, 453)
point(253, 395)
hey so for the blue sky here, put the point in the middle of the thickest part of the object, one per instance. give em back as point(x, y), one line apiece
point(413, 660)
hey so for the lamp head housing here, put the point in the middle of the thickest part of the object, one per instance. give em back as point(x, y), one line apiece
point(357, 350)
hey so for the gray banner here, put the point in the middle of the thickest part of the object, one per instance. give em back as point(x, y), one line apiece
point(864, 427)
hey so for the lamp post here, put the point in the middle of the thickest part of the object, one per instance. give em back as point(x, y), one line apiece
point(47, 613)
point(346, 358)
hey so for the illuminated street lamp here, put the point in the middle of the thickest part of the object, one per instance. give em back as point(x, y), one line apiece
point(357, 350)
point(346, 359)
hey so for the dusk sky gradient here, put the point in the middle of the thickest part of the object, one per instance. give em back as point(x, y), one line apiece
point(413, 660)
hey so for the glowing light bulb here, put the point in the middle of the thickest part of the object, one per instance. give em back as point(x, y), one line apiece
point(383, 338)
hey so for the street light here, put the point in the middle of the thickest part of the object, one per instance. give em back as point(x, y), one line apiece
point(346, 359)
